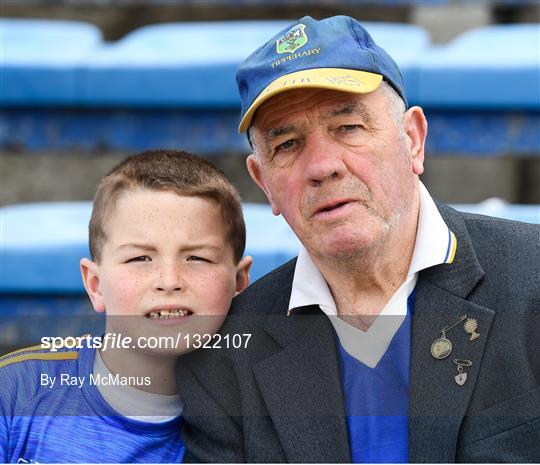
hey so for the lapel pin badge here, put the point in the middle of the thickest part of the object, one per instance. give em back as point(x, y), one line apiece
point(470, 326)
point(461, 377)
point(442, 347)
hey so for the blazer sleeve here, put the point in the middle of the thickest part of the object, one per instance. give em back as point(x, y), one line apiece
point(211, 432)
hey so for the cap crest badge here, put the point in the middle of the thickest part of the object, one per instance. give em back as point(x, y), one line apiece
point(292, 40)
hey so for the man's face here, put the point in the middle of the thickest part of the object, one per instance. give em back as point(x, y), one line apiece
point(337, 166)
point(167, 267)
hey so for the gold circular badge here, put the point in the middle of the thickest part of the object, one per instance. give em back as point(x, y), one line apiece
point(441, 348)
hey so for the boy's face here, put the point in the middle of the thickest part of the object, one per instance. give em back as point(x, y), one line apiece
point(167, 264)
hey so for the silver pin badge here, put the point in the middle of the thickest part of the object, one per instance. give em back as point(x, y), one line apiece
point(461, 377)
point(442, 347)
point(470, 326)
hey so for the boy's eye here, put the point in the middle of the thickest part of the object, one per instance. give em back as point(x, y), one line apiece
point(196, 258)
point(141, 258)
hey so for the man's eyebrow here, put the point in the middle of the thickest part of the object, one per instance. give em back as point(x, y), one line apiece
point(353, 107)
point(272, 133)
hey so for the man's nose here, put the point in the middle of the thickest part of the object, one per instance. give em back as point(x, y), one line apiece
point(169, 278)
point(324, 160)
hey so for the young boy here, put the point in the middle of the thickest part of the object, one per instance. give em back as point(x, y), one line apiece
point(167, 238)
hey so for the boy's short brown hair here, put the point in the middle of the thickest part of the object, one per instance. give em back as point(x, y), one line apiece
point(167, 170)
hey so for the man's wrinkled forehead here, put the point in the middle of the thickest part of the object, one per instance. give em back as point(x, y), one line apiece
point(286, 111)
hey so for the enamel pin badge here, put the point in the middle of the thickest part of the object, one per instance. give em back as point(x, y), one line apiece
point(461, 377)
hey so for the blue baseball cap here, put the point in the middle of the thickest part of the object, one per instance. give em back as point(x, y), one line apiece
point(334, 53)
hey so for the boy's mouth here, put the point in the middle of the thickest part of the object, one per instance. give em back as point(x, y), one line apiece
point(167, 314)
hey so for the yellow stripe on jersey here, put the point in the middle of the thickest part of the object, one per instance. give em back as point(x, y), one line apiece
point(35, 348)
point(27, 349)
point(71, 339)
point(453, 249)
point(40, 356)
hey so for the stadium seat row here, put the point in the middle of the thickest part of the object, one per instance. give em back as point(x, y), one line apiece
point(192, 65)
point(45, 259)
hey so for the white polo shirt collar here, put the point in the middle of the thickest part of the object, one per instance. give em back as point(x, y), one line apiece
point(435, 244)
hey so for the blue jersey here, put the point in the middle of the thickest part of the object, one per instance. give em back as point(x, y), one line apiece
point(70, 422)
point(377, 400)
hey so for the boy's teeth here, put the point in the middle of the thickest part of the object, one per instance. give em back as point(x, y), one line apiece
point(164, 314)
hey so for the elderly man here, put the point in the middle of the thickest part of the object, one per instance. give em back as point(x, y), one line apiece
point(404, 329)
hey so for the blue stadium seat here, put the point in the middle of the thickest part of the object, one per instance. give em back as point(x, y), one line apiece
point(174, 65)
point(173, 85)
point(481, 92)
point(494, 67)
point(181, 75)
point(193, 64)
point(25, 40)
point(405, 43)
point(187, 65)
point(41, 60)
point(42, 243)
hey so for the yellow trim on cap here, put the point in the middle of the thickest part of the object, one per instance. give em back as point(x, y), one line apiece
point(344, 80)
point(40, 356)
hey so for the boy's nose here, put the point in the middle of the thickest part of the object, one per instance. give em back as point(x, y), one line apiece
point(170, 279)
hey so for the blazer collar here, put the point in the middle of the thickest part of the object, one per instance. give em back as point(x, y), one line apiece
point(462, 275)
point(437, 404)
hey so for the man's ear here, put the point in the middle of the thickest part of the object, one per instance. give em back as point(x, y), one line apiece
point(415, 127)
point(242, 274)
point(254, 168)
point(90, 277)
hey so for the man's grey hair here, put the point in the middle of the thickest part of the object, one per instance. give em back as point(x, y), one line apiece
point(396, 109)
point(397, 105)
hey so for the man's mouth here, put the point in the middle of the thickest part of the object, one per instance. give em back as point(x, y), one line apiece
point(168, 314)
point(331, 206)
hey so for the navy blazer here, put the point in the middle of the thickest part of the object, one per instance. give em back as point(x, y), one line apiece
point(280, 399)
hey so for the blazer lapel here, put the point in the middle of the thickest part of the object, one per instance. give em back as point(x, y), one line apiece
point(437, 401)
point(302, 389)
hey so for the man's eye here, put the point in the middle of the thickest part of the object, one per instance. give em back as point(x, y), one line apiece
point(286, 145)
point(141, 258)
point(350, 127)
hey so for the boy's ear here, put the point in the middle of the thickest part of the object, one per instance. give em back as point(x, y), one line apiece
point(90, 277)
point(242, 274)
